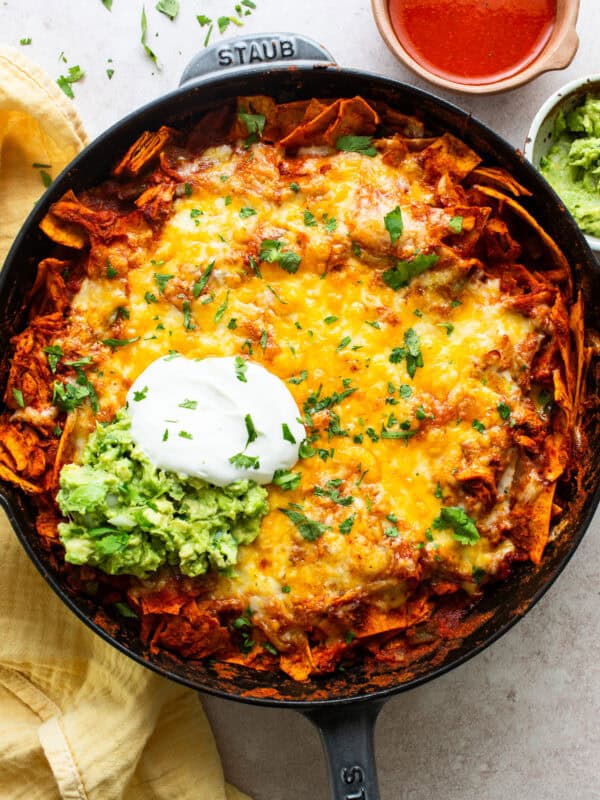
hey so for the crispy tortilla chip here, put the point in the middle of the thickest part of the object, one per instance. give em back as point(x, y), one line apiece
point(157, 201)
point(397, 122)
point(69, 234)
point(9, 476)
point(447, 155)
point(49, 291)
point(555, 252)
point(498, 179)
point(539, 523)
point(260, 105)
point(298, 663)
point(341, 118)
point(142, 152)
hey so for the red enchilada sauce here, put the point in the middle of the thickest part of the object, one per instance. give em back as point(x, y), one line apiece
point(473, 41)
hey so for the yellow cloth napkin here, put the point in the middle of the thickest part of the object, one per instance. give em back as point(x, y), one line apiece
point(78, 720)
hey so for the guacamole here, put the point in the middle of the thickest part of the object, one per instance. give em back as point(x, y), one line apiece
point(127, 516)
point(572, 165)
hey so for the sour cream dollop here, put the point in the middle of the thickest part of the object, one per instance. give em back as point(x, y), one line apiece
point(195, 416)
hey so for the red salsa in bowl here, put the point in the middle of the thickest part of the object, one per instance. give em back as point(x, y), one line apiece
point(473, 41)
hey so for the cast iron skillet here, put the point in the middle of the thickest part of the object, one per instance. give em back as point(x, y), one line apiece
point(344, 706)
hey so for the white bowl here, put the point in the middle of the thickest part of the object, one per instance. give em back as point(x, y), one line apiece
point(539, 138)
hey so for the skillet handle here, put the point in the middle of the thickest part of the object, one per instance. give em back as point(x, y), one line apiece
point(347, 738)
point(254, 51)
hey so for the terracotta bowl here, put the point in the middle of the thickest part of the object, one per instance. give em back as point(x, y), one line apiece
point(557, 54)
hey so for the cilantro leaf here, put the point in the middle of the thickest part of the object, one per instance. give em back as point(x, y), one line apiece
point(255, 125)
point(346, 526)
point(162, 280)
point(457, 520)
point(243, 461)
point(393, 224)
point(250, 429)
point(271, 251)
point(309, 529)
point(356, 144)
point(54, 353)
point(203, 280)
point(18, 397)
point(240, 369)
point(503, 410)
point(455, 224)
point(170, 8)
point(247, 212)
point(404, 271)
point(286, 480)
point(119, 342)
point(144, 27)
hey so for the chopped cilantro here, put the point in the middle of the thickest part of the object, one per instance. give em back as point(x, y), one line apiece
point(356, 250)
point(405, 391)
point(449, 327)
point(374, 324)
point(119, 342)
point(299, 378)
point(149, 297)
point(392, 533)
point(144, 33)
point(309, 219)
point(356, 144)
point(344, 343)
point(438, 491)
point(331, 490)
point(330, 320)
point(202, 281)
point(254, 124)
point(271, 251)
point(240, 369)
point(24, 42)
point(247, 212)
point(18, 397)
point(250, 430)
point(393, 224)
point(309, 529)
point(330, 224)
point(479, 426)
point(111, 272)
point(456, 519)
point(192, 405)
point(232, 324)
point(346, 526)
point(286, 589)
point(54, 353)
point(162, 280)
point(64, 81)
point(243, 461)
point(287, 434)
point(411, 352)
point(294, 187)
point(222, 308)
point(185, 435)
point(402, 273)
point(503, 410)
point(140, 395)
point(170, 8)
point(264, 338)
point(286, 480)
point(455, 224)
point(187, 316)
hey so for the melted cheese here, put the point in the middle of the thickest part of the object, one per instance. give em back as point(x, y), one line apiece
point(329, 328)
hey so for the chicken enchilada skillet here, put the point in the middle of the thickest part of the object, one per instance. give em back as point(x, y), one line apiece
point(427, 329)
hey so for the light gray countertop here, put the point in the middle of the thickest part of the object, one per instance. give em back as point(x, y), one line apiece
point(520, 720)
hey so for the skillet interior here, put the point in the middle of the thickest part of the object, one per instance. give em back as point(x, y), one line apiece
point(502, 606)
